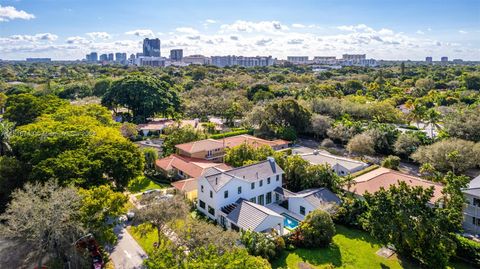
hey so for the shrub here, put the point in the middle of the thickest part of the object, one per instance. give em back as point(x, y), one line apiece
point(468, 250)
point(317, 230)
point(327, 143)
point(233, 133)
point(391, 162)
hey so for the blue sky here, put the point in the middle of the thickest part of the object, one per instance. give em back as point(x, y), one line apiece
point(407, 29)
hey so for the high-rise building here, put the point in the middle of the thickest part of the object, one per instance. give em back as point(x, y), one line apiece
point(324, 59)
point(151, 47)
point(92, 57)
point(176, 54)
point(139, 54)
point(121, 57)
point(444, 59)
point(38, 60)
point(354, 57)
point(110, 57)
point(196, 59)
point(231, 60)
point(429, 59)
point(297, 59)
point(132, 56)
point(103, 58)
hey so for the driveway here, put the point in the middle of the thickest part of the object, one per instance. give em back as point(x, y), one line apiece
point(127, 254)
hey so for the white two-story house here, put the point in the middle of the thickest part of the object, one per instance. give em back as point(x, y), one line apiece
point(471, 212)
point(236, 198)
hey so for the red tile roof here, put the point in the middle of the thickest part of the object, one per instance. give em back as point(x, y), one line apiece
point(186, 185)
point(191, 166)
point(237, 140)
point(383, 178)
point(201, 145)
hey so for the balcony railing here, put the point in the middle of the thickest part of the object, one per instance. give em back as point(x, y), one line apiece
point(472, 211)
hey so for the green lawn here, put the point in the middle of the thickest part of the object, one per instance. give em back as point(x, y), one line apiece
point(146, 241)
point(143, 183)
point(350, 249)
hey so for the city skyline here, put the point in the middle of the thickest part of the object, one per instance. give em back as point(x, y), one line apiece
point(63, 30)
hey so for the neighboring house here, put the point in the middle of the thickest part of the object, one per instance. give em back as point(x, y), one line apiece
point(471, 212)
point(247, 215)
point(207, 149)
point(184, 167)
point(372, 181)
point(214, 150)
point(303, 202)
point(342, 166)
point(188, 187)
point(248, 197)
point(151, 143)
point(220, 193)
point(255, 142)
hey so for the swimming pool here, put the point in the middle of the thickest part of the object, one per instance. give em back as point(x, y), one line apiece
point(289, 222)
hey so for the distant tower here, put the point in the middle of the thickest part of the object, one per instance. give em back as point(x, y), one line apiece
point(176, 55)
point(151, 47)
point(429, 59)
point(444, 59)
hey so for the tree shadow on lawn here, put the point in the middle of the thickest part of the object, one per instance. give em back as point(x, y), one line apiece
point(314, 256)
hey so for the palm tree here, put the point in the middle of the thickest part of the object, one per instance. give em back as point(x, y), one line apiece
point(6, 130)
point(432, 117)
point(417, 113)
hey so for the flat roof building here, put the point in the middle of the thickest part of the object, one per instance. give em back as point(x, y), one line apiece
point(176, 54)
point(151, 47)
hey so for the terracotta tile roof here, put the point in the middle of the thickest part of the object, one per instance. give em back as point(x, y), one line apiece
point(383, 178)
point(186, 185)
point(191, 166)
point(201, 145)
point(237, 140)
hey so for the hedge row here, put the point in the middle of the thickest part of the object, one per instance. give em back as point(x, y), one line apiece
point(233, 133)
point(468, 250)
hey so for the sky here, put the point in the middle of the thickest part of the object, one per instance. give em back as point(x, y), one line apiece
point(382, 29)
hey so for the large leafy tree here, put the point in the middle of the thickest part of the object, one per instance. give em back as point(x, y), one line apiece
point(245, 153)
point(403, 217)
point(77, 144)
point(178, 135)
point(25, 108)
point(454, 155)
point(100, 207)
point(47, 217)
point(463, 123)
point(289, 113)
point(144, 96)
point(170, 256)
point(316, 230)
point(159, 213)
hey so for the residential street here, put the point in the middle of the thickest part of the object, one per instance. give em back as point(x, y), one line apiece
point(127, 254)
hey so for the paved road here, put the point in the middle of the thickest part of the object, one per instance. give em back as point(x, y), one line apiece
point(127, 254)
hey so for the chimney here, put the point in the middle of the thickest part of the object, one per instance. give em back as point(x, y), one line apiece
point(271, 160)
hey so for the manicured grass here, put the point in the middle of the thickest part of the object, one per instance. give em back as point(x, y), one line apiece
point(350, 249)
point(143, 183)
point(146, 239)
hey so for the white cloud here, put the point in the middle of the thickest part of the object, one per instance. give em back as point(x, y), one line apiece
point(463, 32)
point(141, 33)
point(33, 38)
point(298, 25)
point(251, 27)
point(249, 38)
point(77, 40)
point(99, 35)
point(420, 32)
point(187, 30)
point(210, 21)
point(8, 13)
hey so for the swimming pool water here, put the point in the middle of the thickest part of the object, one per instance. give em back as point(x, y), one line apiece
point(289, 222)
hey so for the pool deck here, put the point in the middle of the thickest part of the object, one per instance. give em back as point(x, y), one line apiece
point(281, 210)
